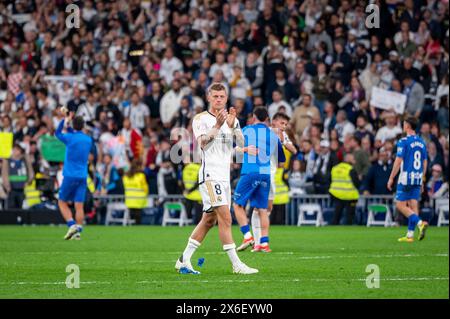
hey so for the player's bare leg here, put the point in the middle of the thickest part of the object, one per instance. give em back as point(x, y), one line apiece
point(265, 224)
point(241, 217)
point(422, 225)
point(79, 218)
point(226, 237)
point(206, 223)
point(67, 215)
point(410, 209)
point(65, 210)
point(404, 208)
point(256, 225)
point(198, 235)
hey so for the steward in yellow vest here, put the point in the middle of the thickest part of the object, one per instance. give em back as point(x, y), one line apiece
point(281, 188)
point(32, 195)
point(136, 190)
point(344, 188)
point(190, 182)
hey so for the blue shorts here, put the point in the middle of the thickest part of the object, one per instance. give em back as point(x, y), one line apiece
point(73, 190)
point(254, 187)
point(407, 192)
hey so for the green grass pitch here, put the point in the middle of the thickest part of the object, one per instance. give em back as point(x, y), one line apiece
point(138, 262)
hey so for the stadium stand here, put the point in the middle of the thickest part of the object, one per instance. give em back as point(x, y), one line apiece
point(137, 71)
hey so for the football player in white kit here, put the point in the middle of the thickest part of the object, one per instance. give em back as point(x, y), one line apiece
point(279, 124)
point(214, 131)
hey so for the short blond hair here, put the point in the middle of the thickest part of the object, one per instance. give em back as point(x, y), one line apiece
point(216, 86)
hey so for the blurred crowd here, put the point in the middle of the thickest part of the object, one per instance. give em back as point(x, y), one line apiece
point(135, 70)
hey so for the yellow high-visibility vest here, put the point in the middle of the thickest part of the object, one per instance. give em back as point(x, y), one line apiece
point(341, 183)
point(281, 189)
point(32, 195)
point(288, 156)
point(90, 184)
point(136, 190)
point(190, 178)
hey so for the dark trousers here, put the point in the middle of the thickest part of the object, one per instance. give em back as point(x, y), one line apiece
point(339, 205)
point(136, 213)
point(15, 198)
point(194, 210)
point(278, 214)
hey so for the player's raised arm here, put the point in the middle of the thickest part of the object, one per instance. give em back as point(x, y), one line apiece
point(204, 137)
point(239, 136)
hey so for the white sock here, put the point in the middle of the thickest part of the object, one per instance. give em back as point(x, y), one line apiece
point(248, 235)
point(190, 249)
point(419, 223)
point(256, 227)
point(410, 233)
point(232, 254)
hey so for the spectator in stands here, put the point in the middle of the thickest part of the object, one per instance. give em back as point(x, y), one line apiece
point(167, 177)
point(254, 72)
point(325, 161)
point(170, 103)
point(390, 130)
point(363, 128)
point(436, 186)
point(277, 103)
point(111, 177)
point(137, 112)
point(165, 52)
point(67, 62)
point(303, 114)
point(17, 172)
point(329, 120)
point(297, 177)
point(321, 87)
point(376, 179)
point(415, 96)
point(362, 157)
point(342, 64)
point(308, 155)
point(428, 137)
point(434, 157)
point(343, 126)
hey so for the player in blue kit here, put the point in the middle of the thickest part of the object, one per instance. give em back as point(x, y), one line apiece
point(411, 161)
point(254, 183)
point(74, 185)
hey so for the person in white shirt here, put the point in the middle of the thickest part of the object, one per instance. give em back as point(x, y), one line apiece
point(169, 65)
point(240, 86)
point(214, 131)
point(137, 112)
point(343, 126)
point(64, 91)
point(390, 130)
point(278, 103)
point(221, 65)
point(170, 102)
point(87, 109)
point(45, 103)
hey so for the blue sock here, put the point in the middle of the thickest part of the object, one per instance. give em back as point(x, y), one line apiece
point(70, 223)
point(245, 229)
point(412, 222)
point(264, 240)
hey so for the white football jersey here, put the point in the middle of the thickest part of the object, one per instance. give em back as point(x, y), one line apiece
point(217, 155)
point(274, 156)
